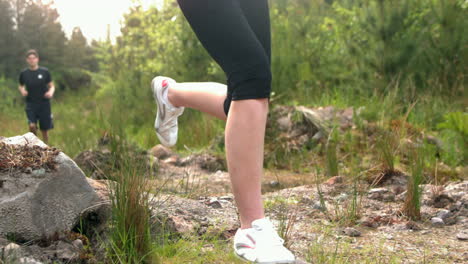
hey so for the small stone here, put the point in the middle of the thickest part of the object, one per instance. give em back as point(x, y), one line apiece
point(375, 196)
point(400, 227)
point(342, 197)
point(436, 221)
point(29, 261)
point(66, 251)
point(317, 136)
point(401, 197)
point(78, 244)
point(442, 201)
point(11, 251)
point(226, 198)
point(378, 190)
point(284, 123)
point(11, 248)
point(274, 184)
point(161, 152)
point(411, 225)
point(318, 206)
point(443, 214)
point(381, 194)
point(463, 235)
point(39, 173)
point(388, 197)
point(214, 203)
point(388, 236)
point(172, 160)
point(207, 248)
point(334, 180)
point(450, 220)
point(369, 222)
point(352, 232)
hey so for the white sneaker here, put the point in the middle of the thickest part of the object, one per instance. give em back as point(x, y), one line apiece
point(166, 117)
point(261, 244)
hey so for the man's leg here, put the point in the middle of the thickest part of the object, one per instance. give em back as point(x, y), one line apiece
point(31, 115)
point(45, 136)
point(45, 121)
point(33, 128)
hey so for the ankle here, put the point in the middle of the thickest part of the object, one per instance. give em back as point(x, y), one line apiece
point(172, 97)
point(246, 224)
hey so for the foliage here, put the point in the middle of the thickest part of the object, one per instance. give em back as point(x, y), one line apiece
point(454, 132)
point(35, 25)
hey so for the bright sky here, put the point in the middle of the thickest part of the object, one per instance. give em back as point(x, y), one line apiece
point(93, 16)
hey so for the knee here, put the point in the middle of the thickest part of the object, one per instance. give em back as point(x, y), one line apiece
point(32, 127)
point(252, 82)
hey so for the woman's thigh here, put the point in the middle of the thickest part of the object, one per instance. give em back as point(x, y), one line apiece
point(237, 40)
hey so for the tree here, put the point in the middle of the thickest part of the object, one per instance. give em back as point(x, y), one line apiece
point(38, 28)
point(7, 40)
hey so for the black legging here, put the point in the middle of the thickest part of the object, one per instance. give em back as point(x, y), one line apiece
point(236, 33)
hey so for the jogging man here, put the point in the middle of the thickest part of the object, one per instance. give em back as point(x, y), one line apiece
point(37, 86)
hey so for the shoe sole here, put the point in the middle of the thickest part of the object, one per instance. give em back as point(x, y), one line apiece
point(160, 108)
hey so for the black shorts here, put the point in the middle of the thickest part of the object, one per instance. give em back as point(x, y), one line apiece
point(236, 33)
point(40, 112)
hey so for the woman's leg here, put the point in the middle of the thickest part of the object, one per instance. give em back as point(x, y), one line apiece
point(237, 44)
point(207, 97)
point(244, 139)
point(225, 32)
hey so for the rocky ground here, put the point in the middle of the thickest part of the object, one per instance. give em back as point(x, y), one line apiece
point(441, 235)
point(316, 215)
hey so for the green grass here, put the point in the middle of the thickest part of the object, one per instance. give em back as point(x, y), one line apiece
point(81, 118)
point(77, 120)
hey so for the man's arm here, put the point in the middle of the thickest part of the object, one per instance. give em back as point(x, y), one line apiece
point(22, 90)
point(50, 93)
point(21, 86)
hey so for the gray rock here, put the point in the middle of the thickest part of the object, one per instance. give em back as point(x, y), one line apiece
point(352, 232)
point(161, 152)
point(214, 203)
point(274, 184)
point(378, 190)
point(29, 261)
point(78, 244)
point(11, 249)
point(436, 221)
point(226, 198)
point(3, 242)
point(381, 194)
point(66, 251)
point(342, 197)
point(317, 136)
point(444, 214)
point(284, 123)
point(318, 206)
point(36, 205)
point(462, 235)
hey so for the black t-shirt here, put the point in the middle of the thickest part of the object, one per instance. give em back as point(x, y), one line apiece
point(36, 84)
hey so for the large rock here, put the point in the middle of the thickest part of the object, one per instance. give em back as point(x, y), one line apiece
point(41, 194)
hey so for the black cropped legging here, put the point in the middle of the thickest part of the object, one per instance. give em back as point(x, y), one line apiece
point(236, 33)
